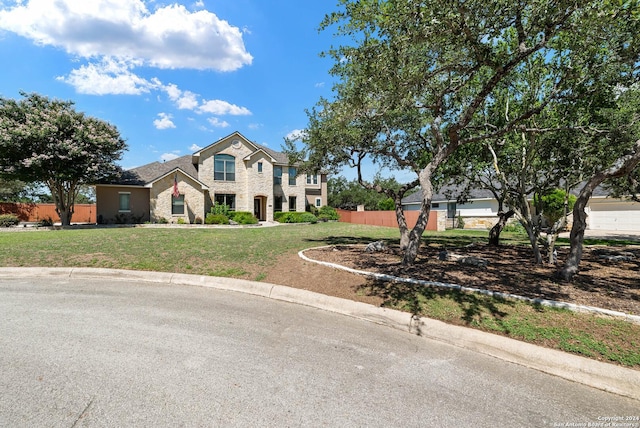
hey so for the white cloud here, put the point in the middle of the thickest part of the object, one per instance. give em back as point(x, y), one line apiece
point(164, 122)
point(195, 148)
point(110, 76)
point(183, 99)
point(219, 107)
point(255, 126)
point(217, 123)
point(296, 134)
point(168, 156)
point(169, 37)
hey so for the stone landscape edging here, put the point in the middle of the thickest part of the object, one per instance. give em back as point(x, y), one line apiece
point(544, 302)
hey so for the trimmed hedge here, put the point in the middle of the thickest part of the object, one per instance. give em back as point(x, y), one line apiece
point(295, 217)
point(216, 219)
point(243, 217)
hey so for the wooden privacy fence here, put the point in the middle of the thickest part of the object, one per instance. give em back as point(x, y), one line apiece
point(83, 213)
point(388, 218)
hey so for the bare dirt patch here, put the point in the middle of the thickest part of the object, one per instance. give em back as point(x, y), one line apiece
point(602, 283)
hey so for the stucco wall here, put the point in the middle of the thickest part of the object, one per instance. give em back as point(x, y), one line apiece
point(108, 203)
point(319, 190)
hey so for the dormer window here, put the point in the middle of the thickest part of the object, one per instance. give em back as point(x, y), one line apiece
point(224, 168)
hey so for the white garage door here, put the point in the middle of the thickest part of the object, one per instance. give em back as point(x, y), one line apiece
point(610, 215)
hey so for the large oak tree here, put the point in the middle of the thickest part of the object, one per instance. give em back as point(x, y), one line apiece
point(415, 83)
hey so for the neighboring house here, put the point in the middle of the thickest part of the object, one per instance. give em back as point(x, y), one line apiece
point(481, 210)
point(234, 171)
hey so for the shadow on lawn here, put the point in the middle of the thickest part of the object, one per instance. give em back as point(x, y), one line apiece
point(416, 299)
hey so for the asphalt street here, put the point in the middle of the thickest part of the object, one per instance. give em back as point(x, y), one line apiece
point(100, 352)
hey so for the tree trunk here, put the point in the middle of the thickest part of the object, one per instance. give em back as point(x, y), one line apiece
point(533, 239)
point(415, 236)
point(576, 237)
point(624, 166)
point(64, 196)
point(402, 224)
point(494, 233)
point(552, 237)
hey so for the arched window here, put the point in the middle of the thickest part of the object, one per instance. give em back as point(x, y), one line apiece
point(224, 168)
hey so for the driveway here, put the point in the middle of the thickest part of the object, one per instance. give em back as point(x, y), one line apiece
point(102, 352)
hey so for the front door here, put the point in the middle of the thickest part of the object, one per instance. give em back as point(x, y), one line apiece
point(257, 209)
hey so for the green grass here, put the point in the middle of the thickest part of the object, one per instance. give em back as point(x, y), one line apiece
point(250, 252)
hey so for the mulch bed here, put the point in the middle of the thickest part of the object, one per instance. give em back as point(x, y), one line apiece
point(602, 283)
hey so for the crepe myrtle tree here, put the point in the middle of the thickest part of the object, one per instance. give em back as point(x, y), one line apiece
point(45, 140)
point(414, 83)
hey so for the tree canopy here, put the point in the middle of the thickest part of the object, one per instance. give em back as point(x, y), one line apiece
point(349, 194)
point(420, 80)
point(47, 141)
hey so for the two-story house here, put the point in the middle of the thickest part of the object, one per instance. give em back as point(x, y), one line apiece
point(234, 171)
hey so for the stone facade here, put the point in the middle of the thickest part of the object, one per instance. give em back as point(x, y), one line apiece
point(161, 199)
point(252, 187)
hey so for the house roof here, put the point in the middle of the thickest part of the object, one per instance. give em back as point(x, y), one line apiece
point(279, 157)
point(447, 193)
point(150, 172)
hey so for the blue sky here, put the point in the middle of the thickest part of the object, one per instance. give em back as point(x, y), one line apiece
point(173, 76)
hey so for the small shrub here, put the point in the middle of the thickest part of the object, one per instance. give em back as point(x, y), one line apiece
point(198, 220)
point(308, 218)
point(137, 219)
point(7, 220)
point(162, 220)
point(295, 217)
point(221, 209)
point(514, 228)
point(327, 213)
point(45, 222)
point(121, 219)
point(243, 217)
point(460, 222)
point(181, 220)
point(216, 219)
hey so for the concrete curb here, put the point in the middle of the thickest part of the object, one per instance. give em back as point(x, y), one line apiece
point(596, 374)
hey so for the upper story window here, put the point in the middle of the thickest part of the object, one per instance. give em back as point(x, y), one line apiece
point(259, 166)
point(292, 176)
point(224, 168)
point(277, 175)
point(312, 179)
